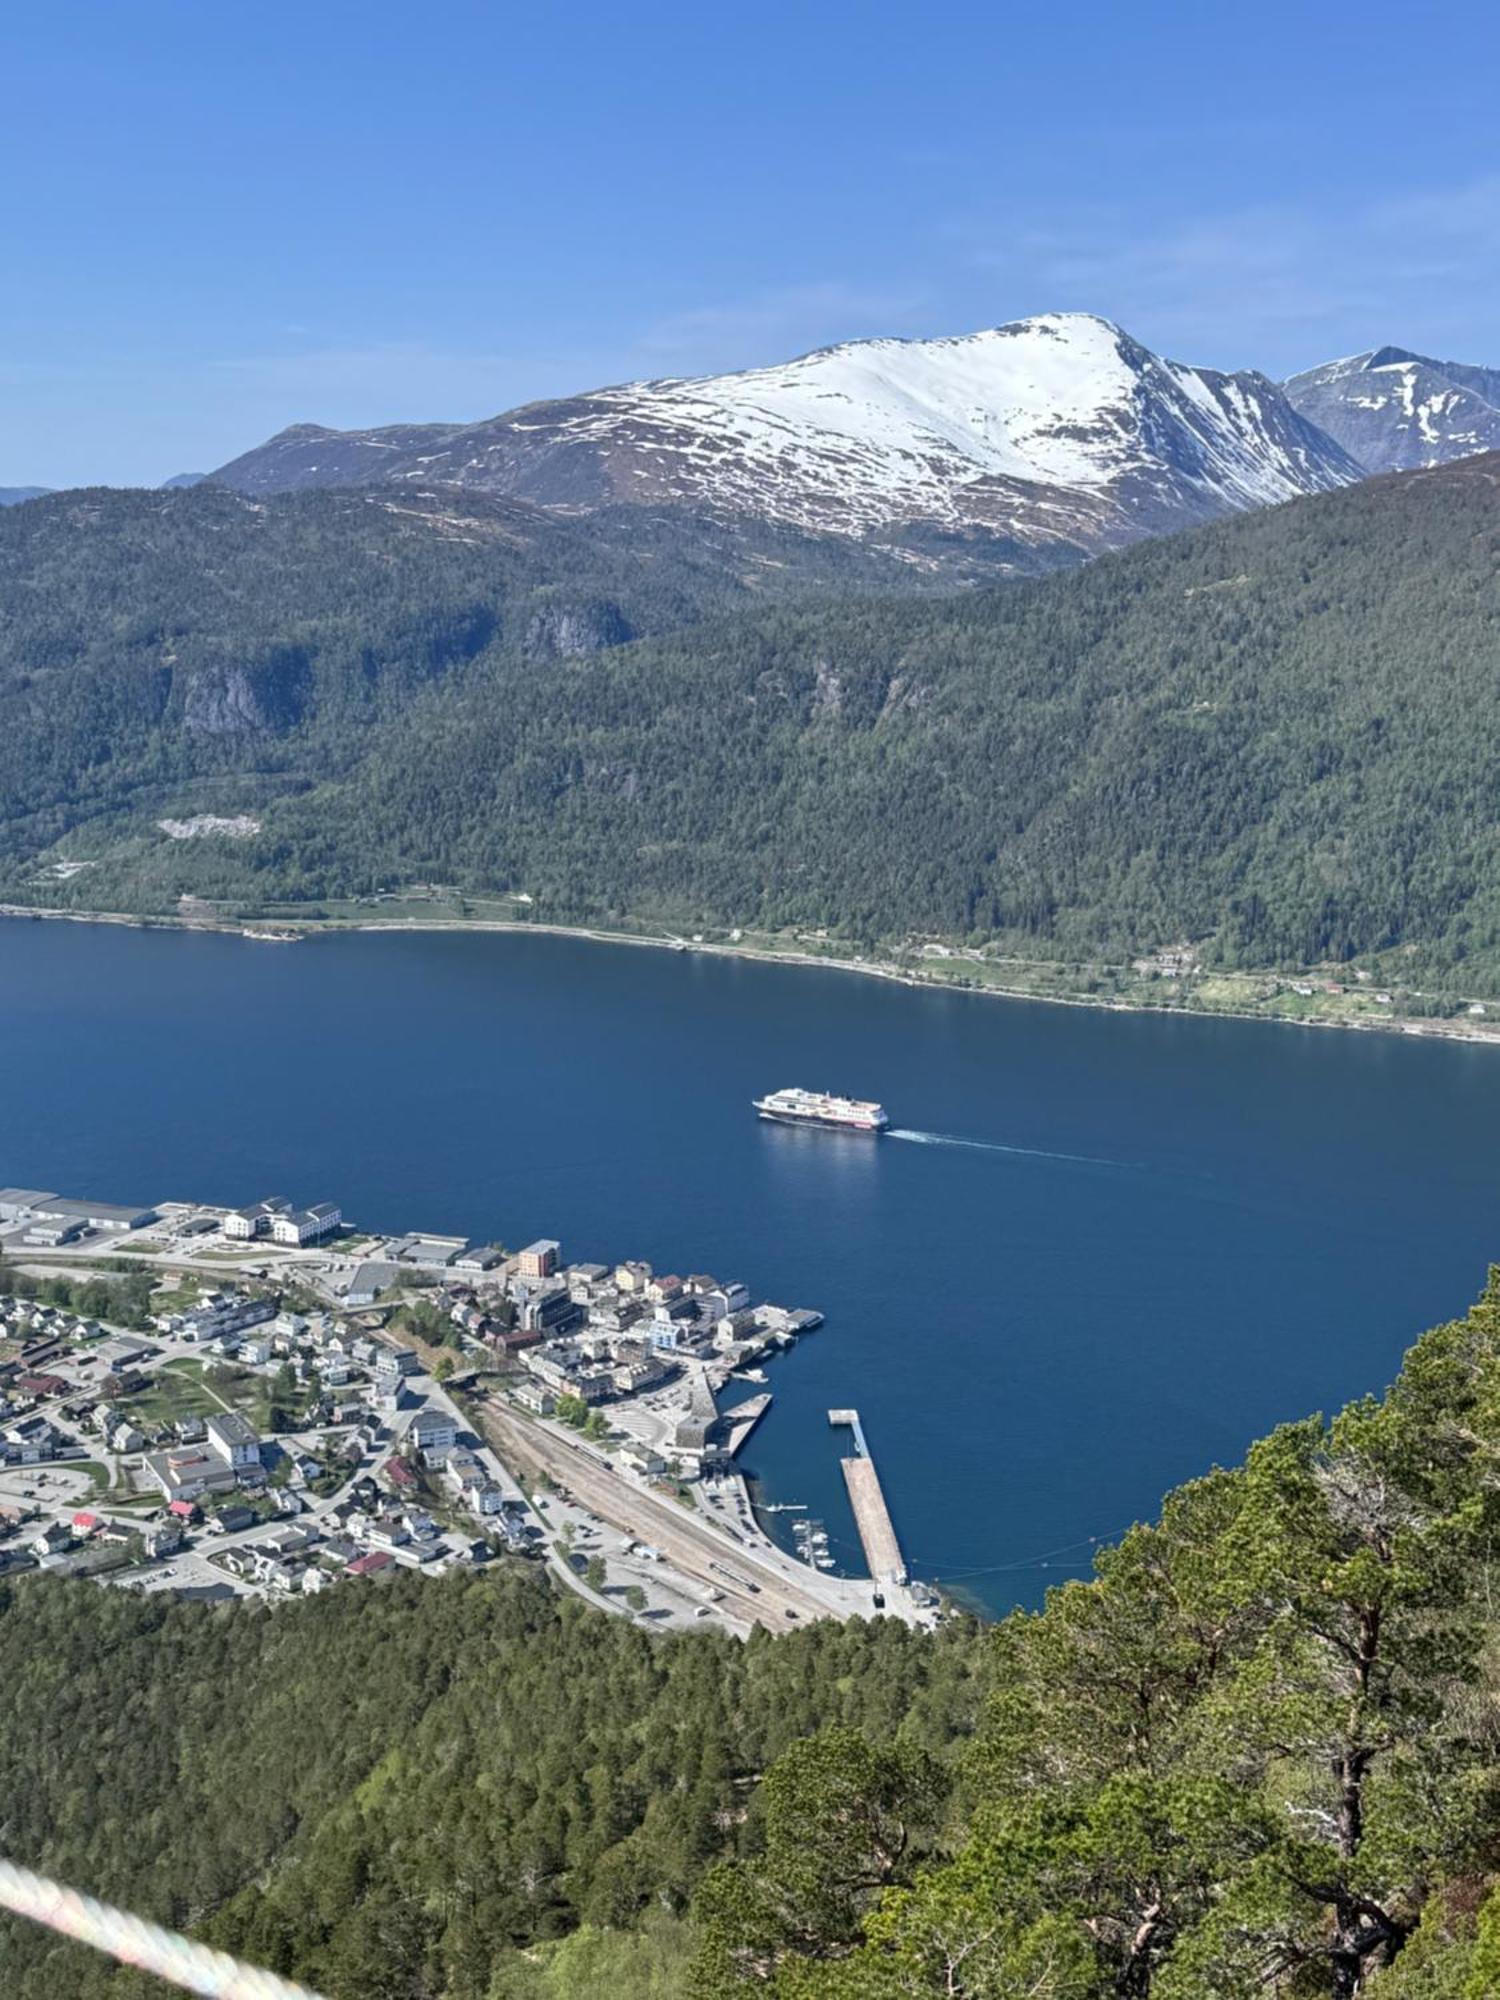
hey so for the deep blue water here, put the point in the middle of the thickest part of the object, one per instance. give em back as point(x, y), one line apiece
point(1197, 1228)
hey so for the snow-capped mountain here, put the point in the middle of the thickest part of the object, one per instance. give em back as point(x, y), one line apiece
point(1393, 410)
point(1047, 438)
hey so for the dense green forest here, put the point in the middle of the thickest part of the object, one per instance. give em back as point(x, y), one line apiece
point(391, 1790)
point(157, 647)
point(1277, 736)
point(1258, 1755)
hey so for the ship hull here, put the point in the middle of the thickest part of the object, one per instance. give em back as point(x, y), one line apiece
point(871, 1131)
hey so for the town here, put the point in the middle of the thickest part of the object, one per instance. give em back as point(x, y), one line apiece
point(262, 1401)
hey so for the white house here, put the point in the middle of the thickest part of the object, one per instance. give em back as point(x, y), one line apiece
point(234, 1439)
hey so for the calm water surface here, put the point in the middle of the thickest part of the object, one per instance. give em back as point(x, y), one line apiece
point(1159, 1238)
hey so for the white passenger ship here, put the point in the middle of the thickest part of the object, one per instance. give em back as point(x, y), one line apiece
point(816, 1107)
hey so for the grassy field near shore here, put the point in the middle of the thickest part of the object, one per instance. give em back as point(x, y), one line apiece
point(1369, 996)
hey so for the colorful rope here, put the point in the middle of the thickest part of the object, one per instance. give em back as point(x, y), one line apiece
point(135, 1942)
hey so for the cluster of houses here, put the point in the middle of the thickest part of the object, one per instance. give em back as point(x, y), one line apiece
point(600, 1333)
point(214, 1474)
point(432, 1441)
point(374, 1530)
point(564, 1334)
point(635, 1325)
point(59, 1541)
point(363, 1390)
point(28, 1387)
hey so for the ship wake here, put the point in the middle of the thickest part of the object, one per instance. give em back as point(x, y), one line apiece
point(994, 1146)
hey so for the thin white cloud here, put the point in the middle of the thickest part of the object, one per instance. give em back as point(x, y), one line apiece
point(1465, 218)
point(1272, 287)
point(771, 326)
point(400, 381)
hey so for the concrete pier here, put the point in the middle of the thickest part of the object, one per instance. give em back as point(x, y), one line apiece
point(742, 1419)
point(871, 1515)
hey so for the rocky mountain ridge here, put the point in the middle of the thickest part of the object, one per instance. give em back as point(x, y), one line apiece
point(1395, 411)
point(1048, 439)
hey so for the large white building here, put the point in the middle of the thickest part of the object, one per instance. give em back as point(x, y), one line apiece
point(306, 1225)
point(234, 1439)
point(189, 1472)
point(275, 1217)
point(244, 1224)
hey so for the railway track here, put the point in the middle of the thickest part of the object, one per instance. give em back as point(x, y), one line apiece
point(751, 1590)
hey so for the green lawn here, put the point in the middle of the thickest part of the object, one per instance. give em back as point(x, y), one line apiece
point(174, 1391)
point(177, 1298)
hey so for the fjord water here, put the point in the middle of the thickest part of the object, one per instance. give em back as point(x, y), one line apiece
point(1158, 1238)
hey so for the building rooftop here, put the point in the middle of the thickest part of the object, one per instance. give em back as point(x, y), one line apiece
point(64, 1208)
point(231, 1428)
point(17, 1198)
point(371, 1278)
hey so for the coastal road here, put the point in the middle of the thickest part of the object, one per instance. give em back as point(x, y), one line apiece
point(688, 1543)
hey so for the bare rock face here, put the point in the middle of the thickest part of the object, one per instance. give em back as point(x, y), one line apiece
point(1049, 438)
point(562, 631)
point(247, 697)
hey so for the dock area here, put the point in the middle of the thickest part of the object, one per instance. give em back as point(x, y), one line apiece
point(742, 1419)
point(872, 1517)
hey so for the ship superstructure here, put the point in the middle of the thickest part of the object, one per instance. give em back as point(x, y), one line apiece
point(819, 1107)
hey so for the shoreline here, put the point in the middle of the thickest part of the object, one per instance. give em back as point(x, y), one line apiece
point(296, 929)
point(739, 1570)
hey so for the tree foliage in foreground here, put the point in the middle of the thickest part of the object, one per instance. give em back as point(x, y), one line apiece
point(399, 1791)
point(1258, 1755)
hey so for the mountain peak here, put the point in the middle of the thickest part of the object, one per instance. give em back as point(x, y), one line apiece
point(1391, 357)
point(1056, 435)
point(1395, 410)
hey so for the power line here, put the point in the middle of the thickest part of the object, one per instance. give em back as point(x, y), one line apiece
point(1042, 1561)
point(132, 1941)
point(942, 1574)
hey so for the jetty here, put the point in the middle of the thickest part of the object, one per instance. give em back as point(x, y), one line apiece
point(742, 1419)
point(871, 1515)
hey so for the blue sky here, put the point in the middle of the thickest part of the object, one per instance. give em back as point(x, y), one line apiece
point(223, 217)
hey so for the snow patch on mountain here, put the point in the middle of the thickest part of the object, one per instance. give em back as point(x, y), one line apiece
point(1055, 430)
point(1396, 411)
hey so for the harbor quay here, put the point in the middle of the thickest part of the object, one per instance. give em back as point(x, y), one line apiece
point(877, 1532)
point(401, 1400)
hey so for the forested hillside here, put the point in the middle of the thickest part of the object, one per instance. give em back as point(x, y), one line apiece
point(390, 1790)
point(1276, 737)
point(159, 645)
point(1258, 1756)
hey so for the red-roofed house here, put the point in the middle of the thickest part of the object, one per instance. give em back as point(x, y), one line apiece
point(372, 1564)
point(85, 1523)
point(182, 1510)
point(41, 1385)
point(398, 1472)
